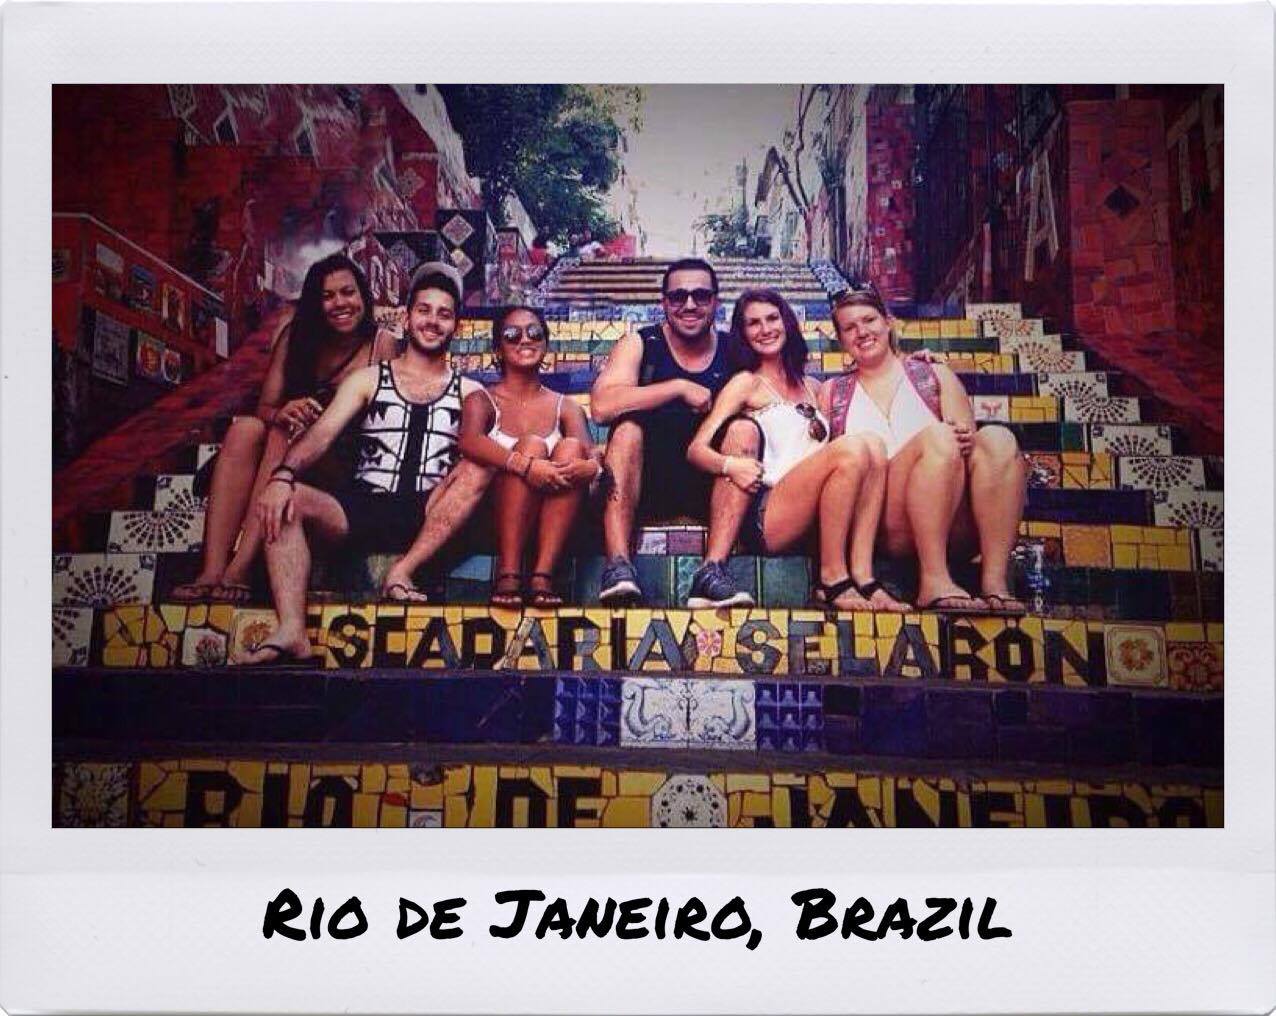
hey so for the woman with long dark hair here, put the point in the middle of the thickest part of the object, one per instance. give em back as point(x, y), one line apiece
point(797, 477)
point(539, 441)
point(331, 334)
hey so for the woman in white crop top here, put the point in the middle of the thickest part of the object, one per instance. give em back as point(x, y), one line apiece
point(950, 489)
point(540, 442)
point(767, 439)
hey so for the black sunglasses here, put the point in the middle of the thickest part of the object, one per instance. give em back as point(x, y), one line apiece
point(702, 297)
point(511, 334)
point(817, 430)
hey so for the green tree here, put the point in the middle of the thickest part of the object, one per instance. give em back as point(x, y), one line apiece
point(727, 233)
point(556, 146)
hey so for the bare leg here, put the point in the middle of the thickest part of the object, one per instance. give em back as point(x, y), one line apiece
point(558, 512)
point(728, 504)
point(451, 504)
point(228, 498)
point(249, 546)
point(823, 486)
point(998, 479)
point(516, 505)
point(923, 488)
point(623, 461)
point(316, 515)
point(864, 523)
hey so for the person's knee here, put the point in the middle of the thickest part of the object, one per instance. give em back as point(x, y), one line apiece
point(998, 444)
point(532, 446)
point(939, 442)
point(741, 438)
point(246, 433)
point(569, 449)
point(875, 451)
point(851, 454)
point(624, 449)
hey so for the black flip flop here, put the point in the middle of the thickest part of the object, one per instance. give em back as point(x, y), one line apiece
point(871, 586)
point(1007, 606)
point(387, 594)
point(953, 604)
point(283, 658)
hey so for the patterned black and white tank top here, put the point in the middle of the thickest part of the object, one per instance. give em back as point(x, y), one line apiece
point(407, 447)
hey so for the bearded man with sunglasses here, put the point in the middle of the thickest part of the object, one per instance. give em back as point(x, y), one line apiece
point(655, 389)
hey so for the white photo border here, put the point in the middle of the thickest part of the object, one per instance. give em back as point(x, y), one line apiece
point(1120, 920)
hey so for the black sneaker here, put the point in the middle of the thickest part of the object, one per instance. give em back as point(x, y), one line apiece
point(711, 586)
point(619, 582)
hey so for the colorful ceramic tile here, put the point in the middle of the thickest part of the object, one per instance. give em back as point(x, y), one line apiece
point(172, 531)
point(203, 647)
point(1191, 509)
point(177, 491)
point(1161, 472)
point(991, 408)
point(94, 794)
point(688, 801)
point(1195, 666)
point(1116, 439)
point(72, 630)
point(722, 715)
point(1079, 385)
point(1101, 409)
point(1045, 470)
point(1210, 549)
point(1135, 655)
point(249, 629)
point(102, 580)
point(653, 541)
point(1087, 546)
point(654, 712)
point(205, 454)
point(991, 311)
point(1034, 357)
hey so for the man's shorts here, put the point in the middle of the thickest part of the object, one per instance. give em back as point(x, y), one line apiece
point(671, 486)
point(381, 522)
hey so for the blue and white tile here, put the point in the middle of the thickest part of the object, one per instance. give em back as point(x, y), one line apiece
point(688, 801)
point(1080, 385)
point(174, 531)
point(722, 715)
point(1160, 472)
point(1188, 509)
point(653, 712)
point(103, 580)
point(1122, 439)
point(72, 631)
point(1101, 409)
point(653, 541)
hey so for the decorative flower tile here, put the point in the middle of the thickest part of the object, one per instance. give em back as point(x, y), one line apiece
point(1034, 358)
point(426, 819)
point(722, 715)
point(1160, 472)
point(177, 491)
point(687, 801)
point(203, 647)
point(988, 311)
point(653, 712)
point(1032, 344)
point(1117, 439)
point(1101, 409)
point(991, 408)
point(72, 631)
point(1209, 544)
point(457, 230)
point(1045, 469)
point(249, 629)
point(1018, 328)
point(1080, 385)
point(173, 531)
point(1135, 655)
point(94, 795)
point(1195, 666)
point(102, 580)
point(1188, 509)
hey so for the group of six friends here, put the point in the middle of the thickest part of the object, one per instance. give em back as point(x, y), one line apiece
point(354, 442)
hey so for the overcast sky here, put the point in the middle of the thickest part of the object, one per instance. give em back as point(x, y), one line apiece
point(692, 138)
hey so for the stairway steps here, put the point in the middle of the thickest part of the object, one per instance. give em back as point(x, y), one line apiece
point(569, 715)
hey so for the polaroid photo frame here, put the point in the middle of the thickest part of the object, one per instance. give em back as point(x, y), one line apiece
point(1133, 728)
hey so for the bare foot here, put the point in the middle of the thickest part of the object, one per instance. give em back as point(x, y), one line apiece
point(198, 589)
point(880, 598)
point(398, 587)
point(951, 599)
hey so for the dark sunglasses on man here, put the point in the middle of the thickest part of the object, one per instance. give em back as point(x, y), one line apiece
point(701, 297)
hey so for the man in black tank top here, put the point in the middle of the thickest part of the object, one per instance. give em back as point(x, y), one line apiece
point(656, 387)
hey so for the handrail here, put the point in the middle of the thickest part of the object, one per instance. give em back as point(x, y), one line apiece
point(138, 247)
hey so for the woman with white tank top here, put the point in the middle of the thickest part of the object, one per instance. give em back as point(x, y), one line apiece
point(539, 441)
point(779, 474)
point(950, 489)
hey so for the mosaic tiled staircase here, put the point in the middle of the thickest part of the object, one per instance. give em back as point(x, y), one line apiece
point(1104, 706)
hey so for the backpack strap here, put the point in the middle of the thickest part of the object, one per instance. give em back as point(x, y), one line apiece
point(921, 373)
point(841, 391)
